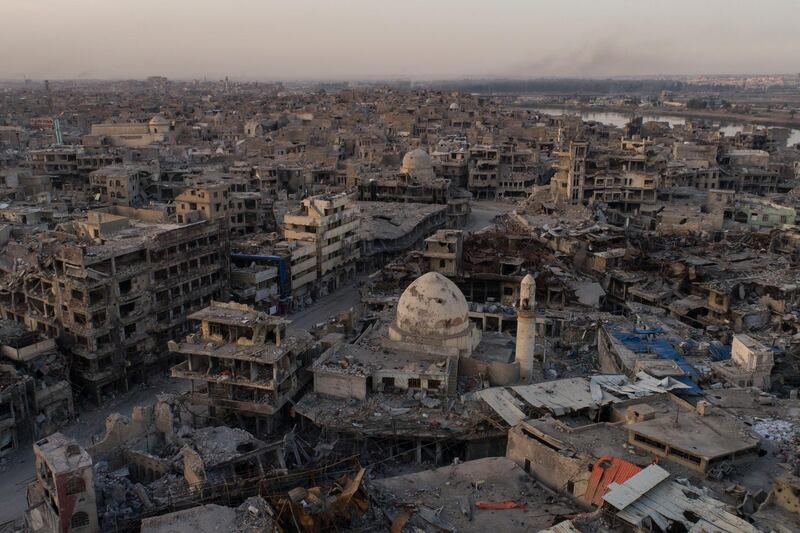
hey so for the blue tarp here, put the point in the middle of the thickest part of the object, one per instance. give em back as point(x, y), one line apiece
point(719, 351)
point(638, 342)
point(654, 331)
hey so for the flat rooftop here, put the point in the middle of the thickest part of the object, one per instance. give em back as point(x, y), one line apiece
point(595, 440)
point(444, 491)
point(399, 415)
point(122, 170)
point(296, 340)
point(211, 518)
point(63, 454)
point(496, 346)
point(233, 315)
point(393, 220)
point(710, 436)
point(353, 359)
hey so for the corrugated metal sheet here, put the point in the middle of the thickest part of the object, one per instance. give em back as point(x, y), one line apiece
point(561, 396)
point(669, 502)
point(565, 396)
point(503, 404)
point(623, 493)
point(606, 470)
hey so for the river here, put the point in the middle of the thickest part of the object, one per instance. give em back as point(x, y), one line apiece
point(620, 119)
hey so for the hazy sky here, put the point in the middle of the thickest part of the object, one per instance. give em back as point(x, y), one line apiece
point(332, 39)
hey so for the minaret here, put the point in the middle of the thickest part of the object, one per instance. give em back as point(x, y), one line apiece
point(526, 328)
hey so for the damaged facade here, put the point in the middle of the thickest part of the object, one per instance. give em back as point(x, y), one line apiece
point(115, 288)
point(511, 319)
point(243, 363)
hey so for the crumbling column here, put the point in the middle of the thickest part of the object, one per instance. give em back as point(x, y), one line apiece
point(526, 328)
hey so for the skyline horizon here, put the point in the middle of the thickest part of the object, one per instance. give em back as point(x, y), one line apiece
point(368, 40)
point(390, 78)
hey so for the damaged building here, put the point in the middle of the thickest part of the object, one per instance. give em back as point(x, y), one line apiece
point(114, 288)
point(243, 364)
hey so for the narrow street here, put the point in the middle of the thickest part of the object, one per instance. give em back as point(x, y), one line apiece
point(321, 310)
point(324, 308)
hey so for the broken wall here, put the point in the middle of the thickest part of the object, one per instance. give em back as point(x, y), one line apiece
point(557, 468)
point(340, 385)
point(499, 373)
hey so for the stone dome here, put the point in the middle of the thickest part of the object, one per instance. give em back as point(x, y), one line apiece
point(432, 306)
point(418, 163)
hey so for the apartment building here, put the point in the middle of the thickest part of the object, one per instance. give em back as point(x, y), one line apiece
point(506, 169)
point(60, 161)
point(121, 184)
point(484, 171)
point(62, 496)
point(244, 364)
point(586, 176)
point(116, 287)
point(240, 211)
point(35, 394)
point(443, 250)
point(331, 223)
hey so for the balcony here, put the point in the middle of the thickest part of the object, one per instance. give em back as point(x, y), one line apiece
point(182, 371)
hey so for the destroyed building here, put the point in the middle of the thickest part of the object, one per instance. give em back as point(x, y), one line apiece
point(390, 229)
point(36, 397)
point(115, 287)
point(417, 183)
point(330, 224)
point(479, 495)
point(62, 498)
point(418, 354)
point(244, 364)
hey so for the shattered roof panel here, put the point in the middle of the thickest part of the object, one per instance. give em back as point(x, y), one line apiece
point(669, 502)
point(623, 493)
point(565, 396)
point(562, 527)
point(562, 396)
point(503, 404)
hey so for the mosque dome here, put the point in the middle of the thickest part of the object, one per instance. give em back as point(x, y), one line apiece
point(454, 107)
point(432, 306)
point(158, 124)
point(418, 163)
point(158, 120)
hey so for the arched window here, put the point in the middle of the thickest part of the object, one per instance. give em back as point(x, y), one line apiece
point(75, 485)
point(78, 520)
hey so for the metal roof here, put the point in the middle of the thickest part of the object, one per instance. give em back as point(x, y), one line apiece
point(565, 396)
point(650, 495)
point(562, 527)
point(503, 404)
point(606, 470)
point(623, 493)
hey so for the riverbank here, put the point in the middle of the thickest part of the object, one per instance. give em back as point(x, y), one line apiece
point(721, 117)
